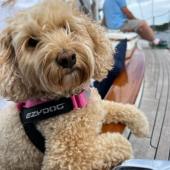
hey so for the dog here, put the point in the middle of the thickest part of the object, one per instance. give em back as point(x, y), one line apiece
point(48, 53)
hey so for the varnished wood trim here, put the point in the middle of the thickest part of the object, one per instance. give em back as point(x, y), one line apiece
point(126, 87)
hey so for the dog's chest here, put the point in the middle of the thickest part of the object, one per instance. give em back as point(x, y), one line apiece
point(89, 118)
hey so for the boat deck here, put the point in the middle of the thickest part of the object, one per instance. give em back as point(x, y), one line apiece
point(155, 102)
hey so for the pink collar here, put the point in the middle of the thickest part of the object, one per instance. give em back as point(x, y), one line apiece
point(79, 101)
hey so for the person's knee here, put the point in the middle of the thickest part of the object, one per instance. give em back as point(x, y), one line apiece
point(142, 25)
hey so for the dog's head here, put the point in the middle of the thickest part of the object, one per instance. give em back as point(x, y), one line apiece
point(51, 50)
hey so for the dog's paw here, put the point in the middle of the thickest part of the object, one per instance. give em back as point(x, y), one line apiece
point(139, 124)
point(142, 130)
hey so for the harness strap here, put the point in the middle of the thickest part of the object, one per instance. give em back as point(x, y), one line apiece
point(35, 136)
point(35, 113)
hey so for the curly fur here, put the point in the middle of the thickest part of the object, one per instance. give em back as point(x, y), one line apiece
point(48, 23)
point(29, 47)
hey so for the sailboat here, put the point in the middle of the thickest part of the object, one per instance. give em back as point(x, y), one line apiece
point(144, 81)
point(152, 94)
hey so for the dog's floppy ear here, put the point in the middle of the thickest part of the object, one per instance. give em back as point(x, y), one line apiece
point(7, 69)
point(103, 51)
point(6, 49)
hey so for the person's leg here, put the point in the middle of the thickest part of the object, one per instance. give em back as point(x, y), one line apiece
point(144, 30)
point(140, 27)
point(119, 58)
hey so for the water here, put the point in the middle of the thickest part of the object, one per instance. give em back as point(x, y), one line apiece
point(155, 12)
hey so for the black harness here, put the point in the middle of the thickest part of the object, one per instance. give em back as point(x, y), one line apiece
point(30, 116)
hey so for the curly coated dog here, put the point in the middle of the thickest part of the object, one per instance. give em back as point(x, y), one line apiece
point(48, 55)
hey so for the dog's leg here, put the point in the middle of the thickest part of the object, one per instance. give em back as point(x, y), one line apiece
point(128, 115)
point(111, 149)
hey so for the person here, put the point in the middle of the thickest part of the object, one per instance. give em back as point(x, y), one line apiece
point(118, 16)
point(119, 58)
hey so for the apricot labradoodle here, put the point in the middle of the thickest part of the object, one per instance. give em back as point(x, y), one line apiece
point(48, 55)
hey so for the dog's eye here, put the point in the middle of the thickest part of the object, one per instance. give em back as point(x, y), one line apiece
point(32, 42)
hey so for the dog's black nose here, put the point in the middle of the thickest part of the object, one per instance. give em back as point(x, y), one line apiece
point(66, 59)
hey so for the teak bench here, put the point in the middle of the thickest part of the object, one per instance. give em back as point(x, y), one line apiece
point(126, 86)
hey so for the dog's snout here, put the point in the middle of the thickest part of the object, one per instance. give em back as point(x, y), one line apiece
point(66, 59)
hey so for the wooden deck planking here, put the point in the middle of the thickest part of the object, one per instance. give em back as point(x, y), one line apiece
point(161, 95)
point(164, 143)
point(154, 102)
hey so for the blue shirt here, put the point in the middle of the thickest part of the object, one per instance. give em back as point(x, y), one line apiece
point(114, 16)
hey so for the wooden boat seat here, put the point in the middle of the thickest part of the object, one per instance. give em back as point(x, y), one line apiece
point(126, 86)
point(118, 35)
